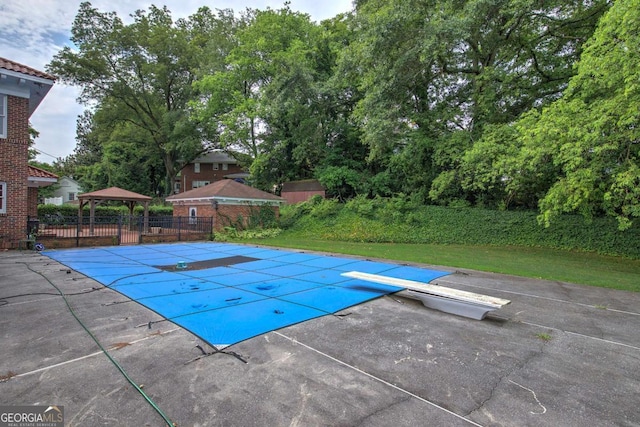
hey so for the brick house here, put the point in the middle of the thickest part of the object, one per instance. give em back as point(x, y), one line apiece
point(228, 202)
point(22, 89)
point(211, 167)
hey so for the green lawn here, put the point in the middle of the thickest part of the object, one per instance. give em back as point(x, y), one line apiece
point(575, 267)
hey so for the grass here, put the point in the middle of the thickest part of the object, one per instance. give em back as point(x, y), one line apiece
point(544, 337)
point(566, 266)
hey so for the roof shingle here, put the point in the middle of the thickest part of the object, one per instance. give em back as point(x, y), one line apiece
point(10, 65)
point(35, 172)
point(225, 188)
point(114, 193)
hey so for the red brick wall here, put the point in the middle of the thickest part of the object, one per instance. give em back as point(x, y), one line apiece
point(14, 171)
point(32, 202)
point(188, 174)
point(224, 216)
point(293, 197)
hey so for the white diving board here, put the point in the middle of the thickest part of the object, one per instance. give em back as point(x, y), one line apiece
point(448, 300)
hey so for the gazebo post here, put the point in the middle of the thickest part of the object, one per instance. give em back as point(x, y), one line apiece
point(80, 206)
point(146, 217)
point(92, 216)
point(131, 205)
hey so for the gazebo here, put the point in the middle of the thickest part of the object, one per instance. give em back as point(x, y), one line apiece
point(113, 193)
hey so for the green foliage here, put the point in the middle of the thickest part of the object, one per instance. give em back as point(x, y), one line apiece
point(69, 210)
point(580, 154)
point(340, 181)
point(400, 220)
point(140, 77)
point(231, 234)
point(455, 103)
point(262, 216)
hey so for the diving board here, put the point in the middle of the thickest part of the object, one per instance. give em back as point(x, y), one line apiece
point(448, 300)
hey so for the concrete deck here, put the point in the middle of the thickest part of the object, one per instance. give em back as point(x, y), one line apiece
point(559, 355)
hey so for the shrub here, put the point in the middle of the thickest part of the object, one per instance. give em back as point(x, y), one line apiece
point(401, 221)
point(72, 210)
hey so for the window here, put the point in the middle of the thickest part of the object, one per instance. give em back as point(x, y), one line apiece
point(215, 166)
point(3, 197)
point(225, 167)
point(198, 184)
point(72, 196)
point(193, 215)
point(176, 187)
point(196, 167)
point(3, 116)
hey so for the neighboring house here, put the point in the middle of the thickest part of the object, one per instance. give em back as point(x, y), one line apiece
point(300, 191)
point(69, 189)
point(228, 202)
point(209, 168)
point(22, 89)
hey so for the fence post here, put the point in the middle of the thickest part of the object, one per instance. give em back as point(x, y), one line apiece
point(179, 229)
point(140, 229)
point(78, 231)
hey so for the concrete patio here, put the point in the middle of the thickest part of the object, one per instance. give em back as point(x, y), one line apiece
point(559, 355)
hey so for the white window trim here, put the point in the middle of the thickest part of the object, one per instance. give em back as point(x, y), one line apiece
point(215, 166)
point(3, 117)
point(3, 200)
point(196, 167)
point(225, 166)
point(198, 184)
point(193, 215)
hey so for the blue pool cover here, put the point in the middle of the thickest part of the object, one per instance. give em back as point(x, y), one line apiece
point(226, 304)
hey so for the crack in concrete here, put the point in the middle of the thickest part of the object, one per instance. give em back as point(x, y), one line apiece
point(501, 378)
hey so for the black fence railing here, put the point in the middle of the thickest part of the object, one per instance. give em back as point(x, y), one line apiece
point(124, 229)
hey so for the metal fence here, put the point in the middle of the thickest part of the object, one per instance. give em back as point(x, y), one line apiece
point(60, 230)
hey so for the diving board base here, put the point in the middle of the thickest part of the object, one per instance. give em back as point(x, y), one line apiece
point(448, 305)
point(448, 300)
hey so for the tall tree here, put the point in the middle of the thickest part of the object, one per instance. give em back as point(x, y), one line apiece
point(268, 102)
point(147, 68)
point(592, 134)
point(437, 72)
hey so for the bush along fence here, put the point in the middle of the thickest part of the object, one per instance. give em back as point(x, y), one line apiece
point(57, 231)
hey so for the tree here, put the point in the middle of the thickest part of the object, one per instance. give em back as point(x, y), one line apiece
point(147, 69)
point(436, 73)
point(274, 101)
point(592, 134)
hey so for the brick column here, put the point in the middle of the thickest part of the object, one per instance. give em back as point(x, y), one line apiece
point(15, 172)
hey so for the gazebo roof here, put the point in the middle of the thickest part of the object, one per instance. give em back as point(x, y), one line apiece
point(114, 193)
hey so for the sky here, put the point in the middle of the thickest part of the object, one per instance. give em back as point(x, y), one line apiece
point(33, 31)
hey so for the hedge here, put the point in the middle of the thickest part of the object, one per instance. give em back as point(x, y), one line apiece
point(401, 221)
point(72, 210)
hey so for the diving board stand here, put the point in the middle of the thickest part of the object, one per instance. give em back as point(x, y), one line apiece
point(448, 300)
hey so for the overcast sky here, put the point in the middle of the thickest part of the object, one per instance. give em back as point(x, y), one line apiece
point(33, 31)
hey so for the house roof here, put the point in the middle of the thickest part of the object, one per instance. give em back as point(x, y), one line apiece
point(24, 82)
point(217, 156)
point(114, 193)
point(40, 177)
point(10, 65)
point(41, 173)
point(225, 189)
point(304, 185)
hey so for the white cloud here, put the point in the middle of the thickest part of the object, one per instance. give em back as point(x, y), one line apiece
point(37, 29)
